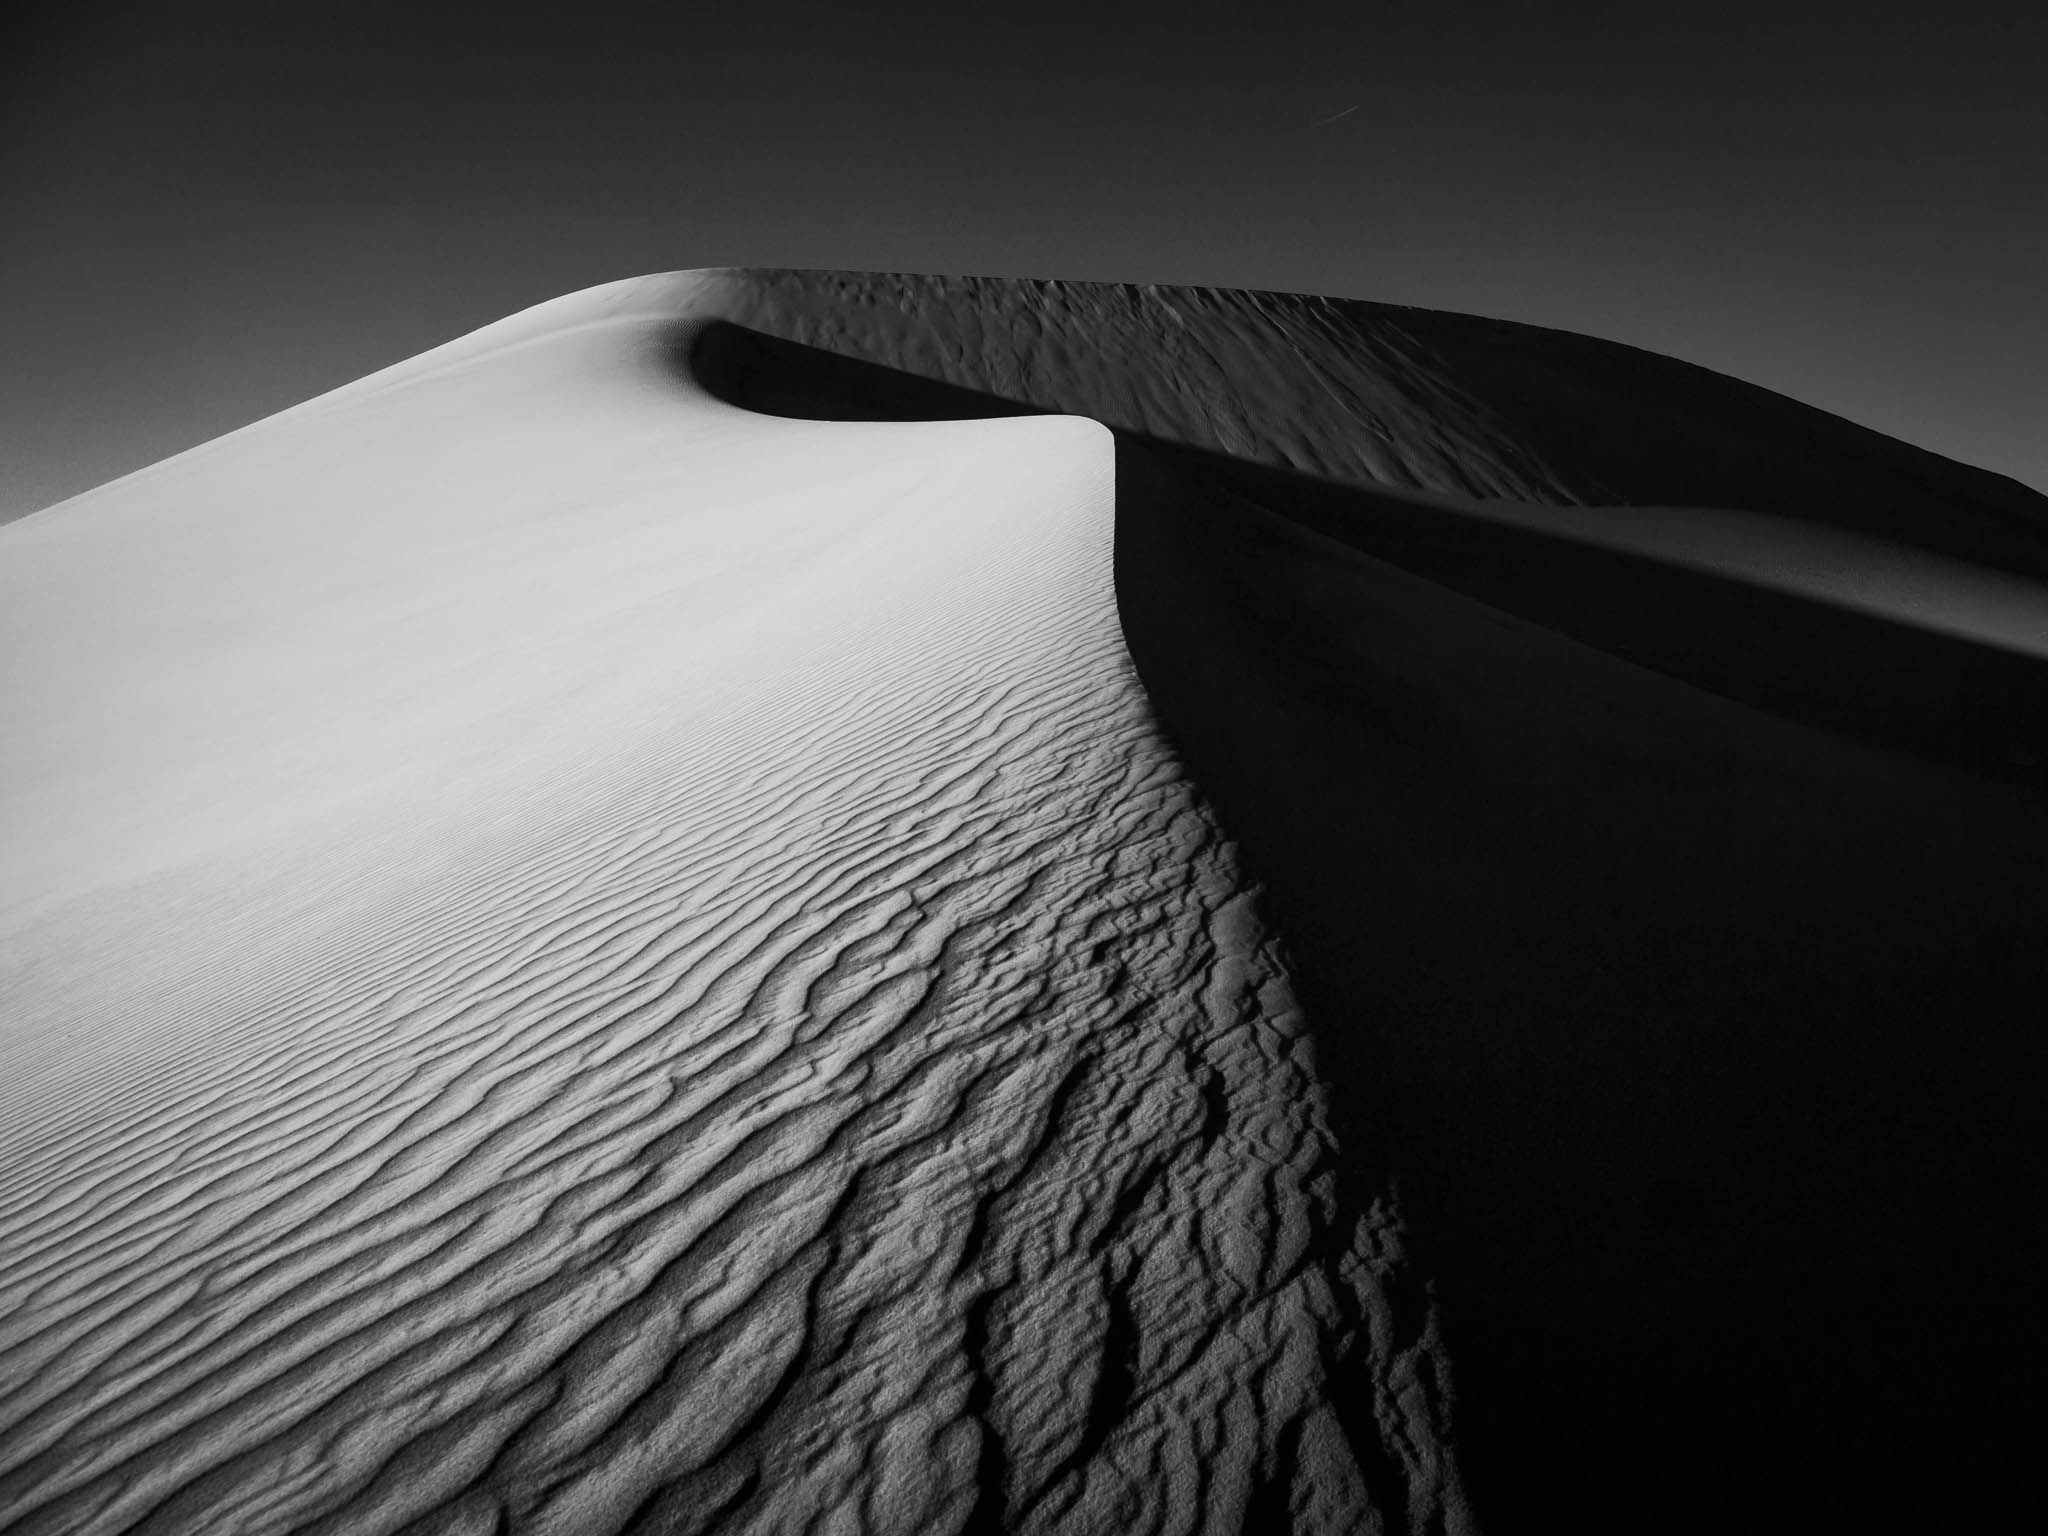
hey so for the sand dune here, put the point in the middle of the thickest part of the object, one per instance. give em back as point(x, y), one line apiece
point(583, 960)
point(601, 934)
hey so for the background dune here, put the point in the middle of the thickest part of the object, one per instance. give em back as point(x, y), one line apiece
point(1404, 398)
point(583, 957)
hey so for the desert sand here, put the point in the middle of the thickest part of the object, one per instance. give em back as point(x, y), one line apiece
point(582, 959)
point(765, 901)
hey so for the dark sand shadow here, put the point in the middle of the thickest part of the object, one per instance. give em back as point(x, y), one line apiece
point(1677, 944)
point(1624, 425)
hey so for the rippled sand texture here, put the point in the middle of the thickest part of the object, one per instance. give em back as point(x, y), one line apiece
point(579, 960)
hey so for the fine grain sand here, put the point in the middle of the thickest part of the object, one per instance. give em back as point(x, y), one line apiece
point(612, 929)
point(581, 959)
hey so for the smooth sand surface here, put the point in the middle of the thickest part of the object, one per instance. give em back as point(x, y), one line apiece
point(607, 937)
point(580, 959)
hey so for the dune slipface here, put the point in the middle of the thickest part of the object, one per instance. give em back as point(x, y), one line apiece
point(578, 959)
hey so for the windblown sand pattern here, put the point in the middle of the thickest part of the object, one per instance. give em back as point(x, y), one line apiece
point(810, 1060)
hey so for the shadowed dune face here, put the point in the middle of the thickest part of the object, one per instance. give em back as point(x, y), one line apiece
point(588, 961)
point(1697, 1020)
point(1705, 1043)
point(585, 958)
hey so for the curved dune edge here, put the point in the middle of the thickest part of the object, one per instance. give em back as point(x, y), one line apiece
point(583, 960)
point(1766, 552)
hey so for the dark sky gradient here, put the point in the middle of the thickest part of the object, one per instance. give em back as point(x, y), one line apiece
point(210, 211)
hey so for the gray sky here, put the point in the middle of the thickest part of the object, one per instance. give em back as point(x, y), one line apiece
point(212, 213)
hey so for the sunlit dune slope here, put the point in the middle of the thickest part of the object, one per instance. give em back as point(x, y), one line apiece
point(578, 959)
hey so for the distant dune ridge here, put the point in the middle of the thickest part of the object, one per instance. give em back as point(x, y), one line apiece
point(686, 914)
